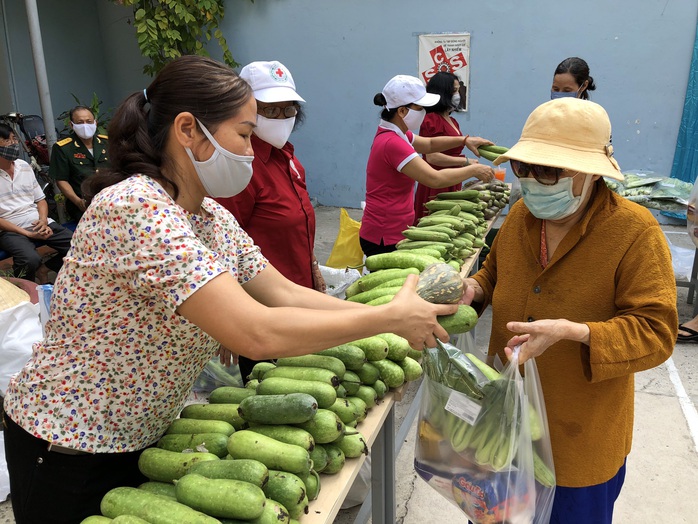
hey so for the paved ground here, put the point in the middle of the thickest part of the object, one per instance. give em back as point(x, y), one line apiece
point(661, 468)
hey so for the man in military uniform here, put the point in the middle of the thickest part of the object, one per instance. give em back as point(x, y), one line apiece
point(77, 157)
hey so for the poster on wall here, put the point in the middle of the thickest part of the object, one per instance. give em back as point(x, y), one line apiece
point(449, 52)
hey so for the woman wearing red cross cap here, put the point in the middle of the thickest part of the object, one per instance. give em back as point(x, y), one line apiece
point(274, 208)
point(394, 164)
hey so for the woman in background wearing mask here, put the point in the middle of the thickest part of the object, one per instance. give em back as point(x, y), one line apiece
point(274, 208)
point(158, 279)
point(78, 157)
point(394, 164)
point(439, 122)
point(572, 79)
point(581, 279)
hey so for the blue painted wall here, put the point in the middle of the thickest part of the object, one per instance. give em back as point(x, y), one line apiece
point(342, 52)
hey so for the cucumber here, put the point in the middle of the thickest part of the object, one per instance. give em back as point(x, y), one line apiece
point(315, 361)
point(352, 444)
point(319, 374)
point(398, 259)
point(325, 426)
point(129, 519)
point(499, 150)
point(341, 392)
point(465, 205)
point(380, 300)
point(368, 395)
point(411, 245)
point(322, 392)
point(96, 519)
point(390, 373)
point(291, 408)
point(335, 459)
point(225, 498)
point(246, 470)
point(225, 412)
point(380, 388)
point(361, 407)
point(419, 233)
point(416, 355)
point(351, 382)
point(211, 442)
point(411, 368)
point(345, 410)
point(259, 369)
point(191, 426)
point(462, 321)
point(399, 282)
point(397, 346)
point(377, 278)
point(288, 489)
point(440, 228)
point(229, 395)
point(153, 508)
point(252, 384)
point(274, 513)
point(164, 489)
point(273, 454)
point(374, 293)
point(319, 458)
point(312, 484)
point(425, 251)
point(352, 356)
point(463, 194)
point(441, 220)
point(287, 434)
point(375, 348)
point(368, 373)
point(166, 466)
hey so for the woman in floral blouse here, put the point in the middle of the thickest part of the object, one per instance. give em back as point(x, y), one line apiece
point(159, 278)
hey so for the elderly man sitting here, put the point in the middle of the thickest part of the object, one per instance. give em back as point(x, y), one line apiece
point(24, 222)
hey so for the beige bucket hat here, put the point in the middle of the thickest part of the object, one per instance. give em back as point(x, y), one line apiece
point(569, 133)
point(11, 295)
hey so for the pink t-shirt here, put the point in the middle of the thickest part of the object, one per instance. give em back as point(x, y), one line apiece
point(389, 193)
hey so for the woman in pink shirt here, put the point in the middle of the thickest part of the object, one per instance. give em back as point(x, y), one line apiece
point(395, 164)
point(439, 122)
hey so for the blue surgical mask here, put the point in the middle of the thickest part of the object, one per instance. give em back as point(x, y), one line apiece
point(561, 94)
point(552, 202)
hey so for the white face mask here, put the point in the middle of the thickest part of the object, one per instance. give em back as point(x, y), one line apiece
point(455, 100)
point(274, 131)
point(225, 174)
point(414, 119)
point(85, 131)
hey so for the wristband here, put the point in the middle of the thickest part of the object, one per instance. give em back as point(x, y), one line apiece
point(465, 140)
point(467, 162)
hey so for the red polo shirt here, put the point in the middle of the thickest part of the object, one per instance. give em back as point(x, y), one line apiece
point(275, 211)
point(389, 193)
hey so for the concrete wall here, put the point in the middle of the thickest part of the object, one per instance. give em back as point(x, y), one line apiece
point(84, 50)
point(342, 52)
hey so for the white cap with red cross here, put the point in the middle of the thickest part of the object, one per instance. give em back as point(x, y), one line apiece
point(271, 82)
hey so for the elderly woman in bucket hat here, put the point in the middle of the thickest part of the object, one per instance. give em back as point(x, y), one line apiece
point(582, 280)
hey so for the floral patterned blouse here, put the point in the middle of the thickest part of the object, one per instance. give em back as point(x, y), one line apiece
point(117, 363)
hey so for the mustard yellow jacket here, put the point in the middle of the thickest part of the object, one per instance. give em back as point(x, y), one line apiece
point(613, 272)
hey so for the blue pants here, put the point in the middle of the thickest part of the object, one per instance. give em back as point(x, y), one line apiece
point(590, 505)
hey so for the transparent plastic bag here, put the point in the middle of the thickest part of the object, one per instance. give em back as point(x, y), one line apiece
point(338, 280)
point(691, 217)
point(483, 441)
point(215, 375)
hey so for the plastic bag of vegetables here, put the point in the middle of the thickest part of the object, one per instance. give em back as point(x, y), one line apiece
point(483, 441)
point(215, 375)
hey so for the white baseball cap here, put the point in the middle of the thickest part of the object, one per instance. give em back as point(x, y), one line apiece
point(403, 90)
point(271, 82)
